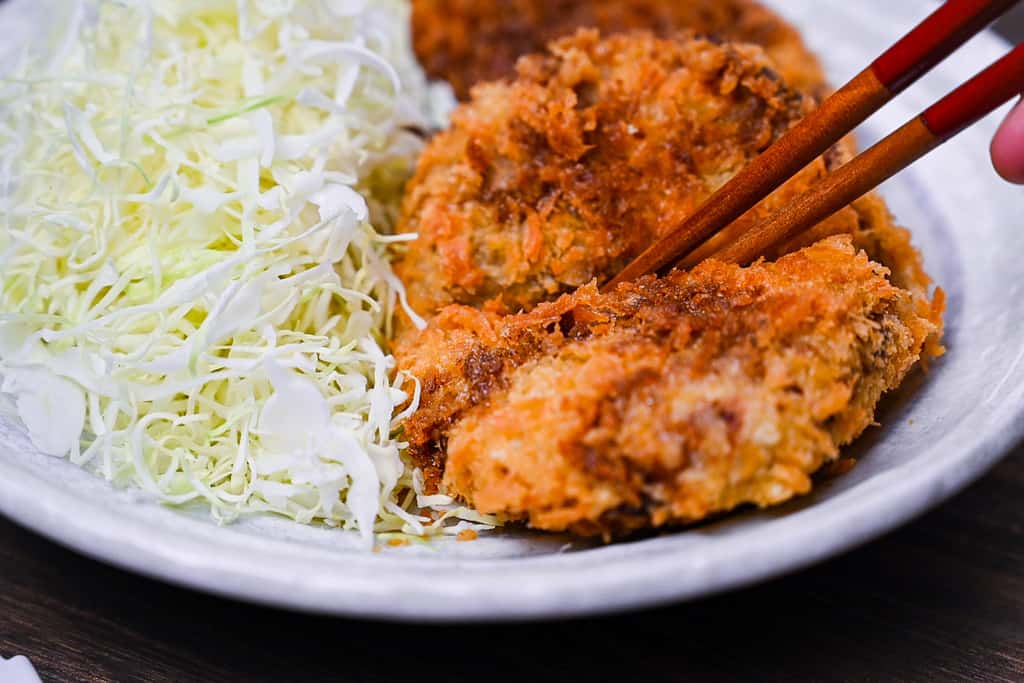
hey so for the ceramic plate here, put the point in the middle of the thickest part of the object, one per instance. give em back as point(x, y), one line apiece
point(940, 432)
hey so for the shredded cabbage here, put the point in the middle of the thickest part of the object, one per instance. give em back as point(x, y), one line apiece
point(195, 200)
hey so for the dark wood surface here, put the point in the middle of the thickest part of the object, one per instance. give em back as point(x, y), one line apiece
point(942, 599)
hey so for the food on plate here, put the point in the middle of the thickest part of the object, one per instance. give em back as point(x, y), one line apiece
point(597, 149)
point(196, 294)
point(667, 400)
point(201, 204)
point(468, 41)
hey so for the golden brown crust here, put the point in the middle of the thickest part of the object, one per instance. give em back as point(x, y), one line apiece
point(567, 173)
point(671, 399)
point(533, 192)
point(470, 41)
point(668, 400)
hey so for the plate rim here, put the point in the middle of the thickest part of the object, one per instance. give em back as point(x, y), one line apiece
point(93, 532)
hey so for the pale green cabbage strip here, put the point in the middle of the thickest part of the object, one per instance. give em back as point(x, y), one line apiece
point(195, 288)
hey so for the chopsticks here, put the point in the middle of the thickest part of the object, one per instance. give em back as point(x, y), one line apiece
point(977, 98)
point(911, 57)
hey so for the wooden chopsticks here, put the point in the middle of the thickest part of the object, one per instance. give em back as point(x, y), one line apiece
point(914, 55)
point(980, 96)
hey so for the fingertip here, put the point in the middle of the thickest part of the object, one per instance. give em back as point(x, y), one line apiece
point(1008, 147)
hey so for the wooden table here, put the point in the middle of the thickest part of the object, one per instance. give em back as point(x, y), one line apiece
point(941, 599)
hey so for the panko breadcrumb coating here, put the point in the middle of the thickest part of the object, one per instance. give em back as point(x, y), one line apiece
point(567, 173)
point(595, 151)
point(469, 41)
point(671, 399)
point(668, 400)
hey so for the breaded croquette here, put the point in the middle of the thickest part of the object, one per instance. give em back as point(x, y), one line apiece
point(668, 400)
point(567, 173)
point(596, 150)
point(470, 41)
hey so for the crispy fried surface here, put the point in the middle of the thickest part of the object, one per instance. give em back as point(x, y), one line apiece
point(671, 399)
point(469, 41)
point(667, 401)
point(597, 149)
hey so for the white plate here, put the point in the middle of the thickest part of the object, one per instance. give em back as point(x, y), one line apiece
point(940, 433)
point(17, 670)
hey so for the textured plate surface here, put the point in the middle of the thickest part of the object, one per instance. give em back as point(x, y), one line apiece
point(941, 432)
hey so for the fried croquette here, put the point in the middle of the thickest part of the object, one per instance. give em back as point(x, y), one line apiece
point(595, 151)
point(667, 400)
point(598, 148)
point(469, 41)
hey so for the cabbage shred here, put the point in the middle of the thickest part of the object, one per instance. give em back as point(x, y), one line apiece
point(195, 206)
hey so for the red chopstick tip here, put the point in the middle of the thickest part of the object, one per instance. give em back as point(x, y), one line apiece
point(934, 38)
point(1008, 147)
point(978, 97)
